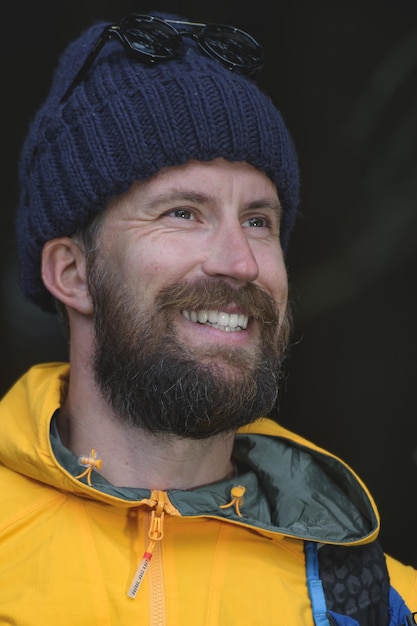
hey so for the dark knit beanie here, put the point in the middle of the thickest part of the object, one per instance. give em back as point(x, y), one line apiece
point(124, 122)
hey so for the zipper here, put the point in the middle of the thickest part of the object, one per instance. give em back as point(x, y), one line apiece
point(159, 504)
point(155, 534)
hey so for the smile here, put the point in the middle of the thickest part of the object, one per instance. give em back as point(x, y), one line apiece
point(230, 322)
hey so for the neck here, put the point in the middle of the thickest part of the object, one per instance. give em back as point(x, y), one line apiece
point(133, 457)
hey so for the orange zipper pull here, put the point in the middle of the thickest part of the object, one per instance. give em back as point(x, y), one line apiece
point(155, 533)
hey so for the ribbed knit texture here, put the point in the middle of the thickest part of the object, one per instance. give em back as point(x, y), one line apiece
point(124, 122)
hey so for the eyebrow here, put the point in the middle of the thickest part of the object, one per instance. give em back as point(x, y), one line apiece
point(202, 198)
point(179, 195)
point(267, 203)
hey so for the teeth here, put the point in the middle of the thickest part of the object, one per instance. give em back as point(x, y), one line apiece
point(202, 316)
point(218, 319)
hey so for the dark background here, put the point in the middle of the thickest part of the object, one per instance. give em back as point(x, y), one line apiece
point(344, 76)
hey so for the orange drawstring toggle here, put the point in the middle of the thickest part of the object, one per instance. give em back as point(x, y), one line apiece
point(238, 491)
point(92, 462)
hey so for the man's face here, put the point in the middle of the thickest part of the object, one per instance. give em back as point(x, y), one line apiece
point(189, 289)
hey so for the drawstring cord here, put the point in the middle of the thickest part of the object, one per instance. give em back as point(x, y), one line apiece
point(92, 462)
point(156, 532)
point(237, 499)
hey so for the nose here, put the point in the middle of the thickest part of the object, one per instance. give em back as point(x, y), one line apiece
point(230, 255)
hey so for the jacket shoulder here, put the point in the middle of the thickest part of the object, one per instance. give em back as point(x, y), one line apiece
point(403, 578)
point(21, 498)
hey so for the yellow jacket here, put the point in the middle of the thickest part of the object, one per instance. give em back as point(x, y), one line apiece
point(69, 551)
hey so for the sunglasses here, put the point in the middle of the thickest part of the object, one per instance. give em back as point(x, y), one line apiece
point(153, 40)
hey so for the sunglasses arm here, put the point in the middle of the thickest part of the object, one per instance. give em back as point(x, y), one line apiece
point(108, 33)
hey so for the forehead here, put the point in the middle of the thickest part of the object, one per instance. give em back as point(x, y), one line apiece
point(204, 172)
point(218, 180)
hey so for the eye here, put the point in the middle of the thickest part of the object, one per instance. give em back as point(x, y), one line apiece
point(256, 222)
point(184, 214)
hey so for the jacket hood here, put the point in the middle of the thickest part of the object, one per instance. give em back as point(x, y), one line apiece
point(291, 487)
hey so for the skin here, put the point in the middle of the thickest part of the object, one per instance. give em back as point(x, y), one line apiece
point(216, 219)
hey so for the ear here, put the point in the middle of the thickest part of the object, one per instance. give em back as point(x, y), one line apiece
point(63, 273)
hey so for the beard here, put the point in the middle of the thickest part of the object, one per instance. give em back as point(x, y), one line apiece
point(153, 381)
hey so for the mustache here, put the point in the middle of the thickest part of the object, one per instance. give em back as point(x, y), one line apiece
point(216, 294)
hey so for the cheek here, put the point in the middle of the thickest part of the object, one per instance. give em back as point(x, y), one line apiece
point(157, 265)
point(280, 292)
point(273, 275)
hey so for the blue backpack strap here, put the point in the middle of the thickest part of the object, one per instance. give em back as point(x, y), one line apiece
point(316, 591)
point(315, 586)
point(400, 614)
point(384, 601)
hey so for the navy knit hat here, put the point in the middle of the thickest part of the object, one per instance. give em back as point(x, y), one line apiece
point(124, 122)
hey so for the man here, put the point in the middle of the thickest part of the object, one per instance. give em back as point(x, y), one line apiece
point(140, 482)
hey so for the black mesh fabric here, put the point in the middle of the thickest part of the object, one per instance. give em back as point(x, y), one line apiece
point(356, 582)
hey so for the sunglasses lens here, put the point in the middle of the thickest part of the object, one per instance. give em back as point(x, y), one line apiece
point(232, 46)
point(150, 36)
